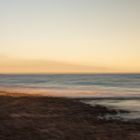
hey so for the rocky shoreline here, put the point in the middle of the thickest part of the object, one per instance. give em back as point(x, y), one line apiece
point(50, 118)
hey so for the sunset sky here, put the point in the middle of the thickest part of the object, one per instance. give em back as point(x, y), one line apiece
point(69, 36)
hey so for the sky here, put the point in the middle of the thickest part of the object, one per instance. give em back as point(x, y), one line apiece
point(69, 36)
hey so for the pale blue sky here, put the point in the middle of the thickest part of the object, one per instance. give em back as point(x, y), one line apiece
point(86, 32)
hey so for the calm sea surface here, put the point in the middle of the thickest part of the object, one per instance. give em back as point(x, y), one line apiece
point(83, 85)
point(111, 84)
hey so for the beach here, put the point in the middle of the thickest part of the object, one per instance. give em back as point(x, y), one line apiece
point(32, 117)
point(70, 70)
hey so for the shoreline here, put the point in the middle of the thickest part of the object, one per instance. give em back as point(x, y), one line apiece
point(68, 93)
point(59, 118)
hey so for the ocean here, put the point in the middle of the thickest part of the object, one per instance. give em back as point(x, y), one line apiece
point(116, 86)
point(102, 84)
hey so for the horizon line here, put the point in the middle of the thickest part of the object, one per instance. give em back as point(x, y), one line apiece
point(78, 73)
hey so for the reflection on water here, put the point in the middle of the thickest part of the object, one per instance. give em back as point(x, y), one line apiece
point(111, 84)
point(130, 105)
point(80, 85)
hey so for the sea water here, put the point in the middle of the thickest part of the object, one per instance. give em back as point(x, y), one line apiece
point(126, 86)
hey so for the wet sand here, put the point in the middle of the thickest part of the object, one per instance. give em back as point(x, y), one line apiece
point(49, 118)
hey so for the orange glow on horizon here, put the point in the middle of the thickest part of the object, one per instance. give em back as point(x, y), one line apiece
point(84, 36)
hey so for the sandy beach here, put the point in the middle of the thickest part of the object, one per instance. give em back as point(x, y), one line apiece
point(50, 118)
